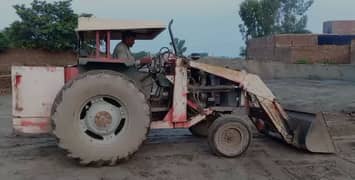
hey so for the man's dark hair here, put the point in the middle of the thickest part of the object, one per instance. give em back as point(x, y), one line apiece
point(127, 34)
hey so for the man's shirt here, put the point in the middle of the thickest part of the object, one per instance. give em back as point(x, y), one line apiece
point(122, 51)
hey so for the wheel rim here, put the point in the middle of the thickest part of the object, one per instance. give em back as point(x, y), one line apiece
point(103, 118)
point(230, 139)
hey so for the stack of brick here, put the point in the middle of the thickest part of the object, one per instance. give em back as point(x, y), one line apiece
point(339, 27)
point(261, 48)
point(278, 47)
point(336, 46)
point(329, 54)
point(294, 48)
point(287, 46)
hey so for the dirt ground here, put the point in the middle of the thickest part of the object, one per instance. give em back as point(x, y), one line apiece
point(176, 154)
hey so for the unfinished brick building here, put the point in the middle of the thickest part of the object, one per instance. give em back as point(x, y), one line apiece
point(335, 46)
point(339, 27)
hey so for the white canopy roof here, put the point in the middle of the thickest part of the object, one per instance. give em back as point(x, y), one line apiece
point(143, 29)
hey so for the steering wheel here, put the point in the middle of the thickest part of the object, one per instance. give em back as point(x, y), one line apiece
point(157, 65)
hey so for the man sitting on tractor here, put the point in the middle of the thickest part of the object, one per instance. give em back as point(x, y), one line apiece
point(122, 49)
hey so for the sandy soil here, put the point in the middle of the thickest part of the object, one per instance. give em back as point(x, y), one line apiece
point(176, 154)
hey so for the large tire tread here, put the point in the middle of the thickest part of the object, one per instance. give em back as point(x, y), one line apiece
point(59, 99)
point(220, 122)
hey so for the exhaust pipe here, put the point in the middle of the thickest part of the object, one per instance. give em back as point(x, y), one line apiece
point(172, 37)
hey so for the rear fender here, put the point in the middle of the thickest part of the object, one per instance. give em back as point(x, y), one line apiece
point(33, 93)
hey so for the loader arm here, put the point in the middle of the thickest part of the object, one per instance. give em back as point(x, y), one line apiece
point(254, 85)
point(299, 134)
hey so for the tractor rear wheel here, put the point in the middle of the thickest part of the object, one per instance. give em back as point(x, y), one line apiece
point(229, 136)
point(100, 118)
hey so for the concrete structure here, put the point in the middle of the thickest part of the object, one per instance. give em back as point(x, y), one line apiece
point(339, 27)
point(278, 70)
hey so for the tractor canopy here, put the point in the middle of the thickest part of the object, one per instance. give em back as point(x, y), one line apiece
point(144, 30)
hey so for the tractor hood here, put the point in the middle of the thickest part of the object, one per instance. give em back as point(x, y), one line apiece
point(145, 30)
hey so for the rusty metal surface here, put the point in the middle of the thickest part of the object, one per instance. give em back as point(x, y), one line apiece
point(180, 92)
point(254, 85)
point(312, 135)
point(33, 93)
point(233, 75)
point(249, 82)
point(218, 88)
point(276, 118)
point(70, 73)
point(311, 132)
point(174, 153)
point(103, 119)
point(31, 126)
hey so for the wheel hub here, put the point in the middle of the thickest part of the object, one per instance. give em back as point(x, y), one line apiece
point(103, 119)
point(232, 136)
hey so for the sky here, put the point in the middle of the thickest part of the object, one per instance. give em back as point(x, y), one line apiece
point(206, 25)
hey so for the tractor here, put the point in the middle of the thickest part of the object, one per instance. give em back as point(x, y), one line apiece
point(101, 109)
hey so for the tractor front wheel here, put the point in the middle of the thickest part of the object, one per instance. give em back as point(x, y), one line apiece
point(229, 136)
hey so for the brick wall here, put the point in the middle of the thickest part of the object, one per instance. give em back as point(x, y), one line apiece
point(296, 40)
point(339, 27)
point(261, 48)
point(352, 52)
point(31, 57)
point(292, 48)
point(321, 54)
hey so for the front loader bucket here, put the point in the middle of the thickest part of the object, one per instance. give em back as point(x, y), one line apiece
point(310, 132)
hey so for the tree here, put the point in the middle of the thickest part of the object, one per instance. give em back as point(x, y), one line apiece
point(4, 43)
point(180, 46)
point(44, 25)
point(88, 15)
point(259, 17)
point(292, 18)
point(265, 17)
point(242, 52)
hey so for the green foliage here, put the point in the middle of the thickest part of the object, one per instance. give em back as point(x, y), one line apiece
point(140, 54)
point(4, 42)
point(292, 18)
point(180, 46)
point(44, 25)
point(259, 17)
point(302, 61)
point(243, 52)
point(266, 17)
point(329, 61)
point(88, 15)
